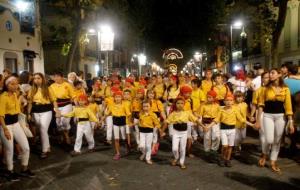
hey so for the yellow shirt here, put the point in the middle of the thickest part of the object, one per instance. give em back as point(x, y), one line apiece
point(99, 93)
point(109, 101)
point(206, 86)
point(181, 117)
point(242, 108)
point(197, 97)
point(118, 110)
point(82, 113)
point(156, 106)
point(149, 120)
point(221, 91)
point(210, 110)
point(229, 116)
point(159, 90)
point(94, 108)
point(107, 91)
point(257, 94)
point(63, 90)
point(136, 105)
point(78, 92)
point(188, 104)
point(10, 104)
point(284, 95)
point(172, 94)
point(38, 98)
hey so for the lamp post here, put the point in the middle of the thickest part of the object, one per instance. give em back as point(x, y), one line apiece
point(198, 61)
point(235, 25)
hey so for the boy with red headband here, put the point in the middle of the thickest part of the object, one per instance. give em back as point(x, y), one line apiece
point(136, 107)
point(84, 118)
point(228, 117)
point(208, 112)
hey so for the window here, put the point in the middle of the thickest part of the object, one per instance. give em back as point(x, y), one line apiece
point(11, 64)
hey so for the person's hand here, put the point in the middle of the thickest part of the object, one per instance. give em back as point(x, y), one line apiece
point(257, 125)
point(29, 118)
point(252, 119)
point(291, 128)
point(6, 133)
point(205, 129)
point(162, 134)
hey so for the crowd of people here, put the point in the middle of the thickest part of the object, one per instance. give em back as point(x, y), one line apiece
point(141, 112)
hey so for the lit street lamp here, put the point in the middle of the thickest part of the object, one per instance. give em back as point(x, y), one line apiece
point(236, 25)
point(198, 61)
point(142, 61)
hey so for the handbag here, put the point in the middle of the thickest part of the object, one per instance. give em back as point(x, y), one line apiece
point(23, 124)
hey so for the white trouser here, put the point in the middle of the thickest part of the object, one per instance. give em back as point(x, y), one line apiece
point(137, 131)
point(117, 131)
point(109, 128)
point(146, 144)
point(155, 135)
point(273, 127)
point(17, 134)
point(43, 120)
point(63, 123)
point(227, 137)
point(191, 131)
point(84, 128)
point(240, 135)
point(211, 140)
point(179, 139)
point(170, 128)
point(265, 148)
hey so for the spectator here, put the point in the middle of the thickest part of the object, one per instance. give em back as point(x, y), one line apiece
point(291, 81)
point(285, 69)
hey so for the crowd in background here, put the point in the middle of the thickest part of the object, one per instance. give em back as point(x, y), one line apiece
point(38, 111)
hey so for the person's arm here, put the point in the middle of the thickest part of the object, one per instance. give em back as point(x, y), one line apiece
point(5, 129)
point(297, 77)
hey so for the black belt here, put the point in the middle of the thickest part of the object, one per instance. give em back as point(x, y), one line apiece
point(180, 126)
point(207, 120)
point(145, 130)
point(98, 102)
point(225, 126)
point(119, 121)
point(63, 102)
point(83, 119)
point(40, 108)
point(11, 119)
point(274, 107)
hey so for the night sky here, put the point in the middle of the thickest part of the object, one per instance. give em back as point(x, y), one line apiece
point(183, 24)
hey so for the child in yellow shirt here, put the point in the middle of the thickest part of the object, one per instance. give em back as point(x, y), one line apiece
point(136, 107)
point(240, 128)
point(84, 118)
point(127, 101)
point(119, 112)
point(179, 118)
point(208, 112)
point(148, 121)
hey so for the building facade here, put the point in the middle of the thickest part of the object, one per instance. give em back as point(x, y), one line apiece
point(20, 36)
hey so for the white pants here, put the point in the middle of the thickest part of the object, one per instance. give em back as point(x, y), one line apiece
point(42, 120)
point(84, 128)
point(179, 139)
point(170, 128)
point(192, 132)
point(265, 148)
point(109, 128)
point(146, 144)
point(137, 131)
point(63, 123)
point(227, 137)
point(211, 140)
point(117, 131)
point(128, 130)
point(19, 136)
point(273, 127)
point(240, 135)
point(155, 135)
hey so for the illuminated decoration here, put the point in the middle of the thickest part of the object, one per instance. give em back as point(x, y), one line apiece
point(172, 54)
point(172, 68)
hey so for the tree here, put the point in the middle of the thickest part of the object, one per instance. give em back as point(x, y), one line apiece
point(78, 12)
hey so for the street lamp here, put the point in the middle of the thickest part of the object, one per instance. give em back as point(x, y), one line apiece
point(22, 5)
point(198, 59)
point(142, 61)
point(235, 25)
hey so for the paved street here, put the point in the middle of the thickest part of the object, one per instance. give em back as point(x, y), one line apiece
point(98, 171)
